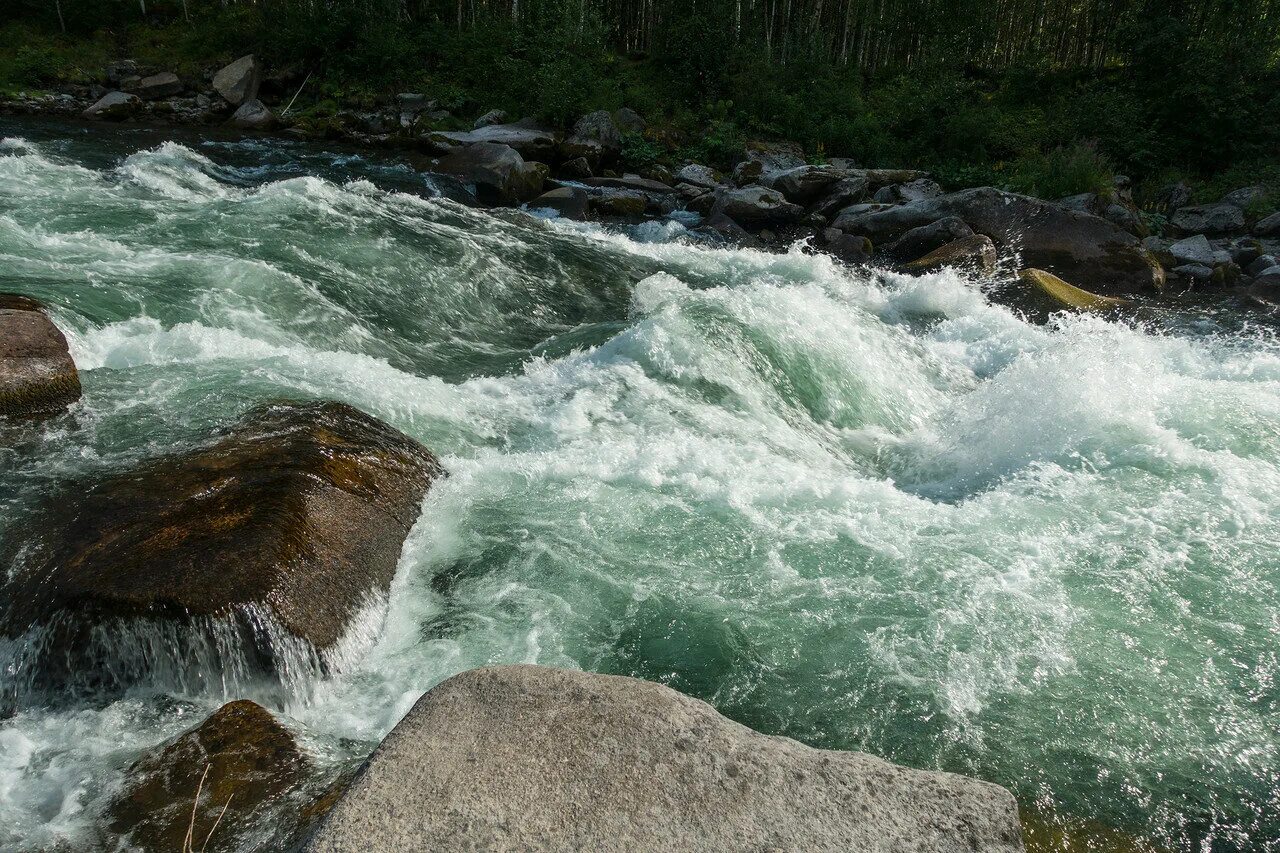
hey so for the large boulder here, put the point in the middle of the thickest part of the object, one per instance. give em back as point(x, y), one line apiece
point(1192, 250)
point(699, 176)
point(1215, 220)
point(156, 86)
point(490, 118)
point(804, 184)
point(252, 115)
point(1070, 243)
point(538, 759)
point(1268, 226)
point(599, 128)
point(626, 204)
point(239, 81)
point(919, 242)
point(532, 143)
point(840, 195)
point(500, 174)
point(755, 206)
point(920, 188)
point(1245, 196)
point(774, 156)
point(37, 375)
point(628, 120)
point(252, 553)
point(113, 106)
point(241, 757)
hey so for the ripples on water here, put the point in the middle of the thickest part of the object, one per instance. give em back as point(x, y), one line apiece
point(876, 513)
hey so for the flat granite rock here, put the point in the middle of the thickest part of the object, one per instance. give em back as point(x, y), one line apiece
point(536, 759)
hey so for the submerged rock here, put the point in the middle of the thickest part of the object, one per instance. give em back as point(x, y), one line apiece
point(240, 757)
point(534, 758)
point(239, 81)
point(38, 378)
point(246, 553)
point(569, 202)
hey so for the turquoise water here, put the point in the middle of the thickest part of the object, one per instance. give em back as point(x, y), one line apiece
point(868, 512)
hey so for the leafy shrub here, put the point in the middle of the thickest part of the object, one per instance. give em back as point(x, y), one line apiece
point(639, 153)
point(1063, 171)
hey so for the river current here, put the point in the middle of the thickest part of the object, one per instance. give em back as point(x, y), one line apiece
point(862, 510)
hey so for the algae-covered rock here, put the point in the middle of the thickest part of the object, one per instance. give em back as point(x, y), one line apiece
point(532, 758)
point(1046, 291)
point(975, 252)
point(38, 378)
point(283, 527)
point(241, 757)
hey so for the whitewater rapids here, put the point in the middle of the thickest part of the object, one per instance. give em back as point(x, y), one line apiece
point(862, 510)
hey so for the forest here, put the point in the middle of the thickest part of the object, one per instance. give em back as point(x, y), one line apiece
point(1044, 96)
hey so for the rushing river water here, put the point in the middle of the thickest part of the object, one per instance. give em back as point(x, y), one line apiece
point(869, 513)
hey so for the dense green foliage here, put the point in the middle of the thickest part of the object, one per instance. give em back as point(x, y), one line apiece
point(1047, 97)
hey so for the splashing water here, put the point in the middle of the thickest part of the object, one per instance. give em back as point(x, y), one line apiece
point(865, 511)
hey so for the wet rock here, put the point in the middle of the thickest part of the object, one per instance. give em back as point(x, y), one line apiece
point(975, 252)
point(729, 231)
point(114, 106)
point(160, 85)
point(1040, 294)
point(239, 81)
point(747, 172)
point(561, 760)
point(804, 184)
point(1194, 272)
point(699, 176)
point(271, 538)
point(919, 242)
point(1262, 264)
point(500, 174)
point(628, 120)
point(531, 143)
point(755, 206)
point(1212, 219)
point(1268, 226)
point(846, 247)
point(37, 375)
point(628, 204)
point(917, 190)
point(630, 182)
point(251, 760)
point(1066, 242)
point(840, 195)
point(253, 115)
point(1192, 250)
point(576, 168)
point(569, 202)
point(490, 118)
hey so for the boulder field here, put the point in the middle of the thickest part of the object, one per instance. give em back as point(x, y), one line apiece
point(534, 758)
point(284, 525)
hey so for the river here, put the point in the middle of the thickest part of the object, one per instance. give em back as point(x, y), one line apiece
point(863, 510)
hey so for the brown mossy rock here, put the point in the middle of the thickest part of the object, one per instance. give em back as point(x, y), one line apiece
point(975, 252)
point(37, 375)
point(297, 512)
point(251, 760)
point(533, 758)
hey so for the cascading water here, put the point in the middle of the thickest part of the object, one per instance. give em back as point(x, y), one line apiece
point(865, 511)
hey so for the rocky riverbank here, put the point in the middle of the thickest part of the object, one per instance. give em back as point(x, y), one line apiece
point(772, 197)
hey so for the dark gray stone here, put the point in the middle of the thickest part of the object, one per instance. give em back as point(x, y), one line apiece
point(160, 85)
point(490, 118)
point(253, 115)
point(538, 759)
point(919, 242)
point(1215, 220)
point(113, 106)
point(755, 206)
point(569, 202)
point(499, 173)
